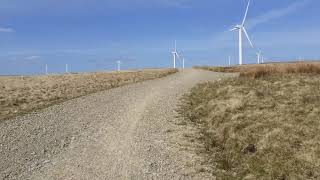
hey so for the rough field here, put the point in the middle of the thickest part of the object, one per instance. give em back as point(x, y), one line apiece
point(261, 70)
point(257, 128)
point(129, 132)
point(19, 95)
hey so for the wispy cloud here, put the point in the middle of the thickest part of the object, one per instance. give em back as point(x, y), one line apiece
point(277, 13)
point(32, 57)
point(226, 39)
point(174, 3)
point(6, 30)
point(123, 4)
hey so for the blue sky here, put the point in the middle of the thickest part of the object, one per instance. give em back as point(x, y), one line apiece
point(91, 35)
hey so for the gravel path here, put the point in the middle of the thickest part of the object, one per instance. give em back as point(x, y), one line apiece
point(124, 133)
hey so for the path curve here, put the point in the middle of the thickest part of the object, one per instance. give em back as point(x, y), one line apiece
point(123, 133)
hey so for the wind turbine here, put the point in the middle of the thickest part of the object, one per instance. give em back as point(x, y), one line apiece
point(241, 28)
point(46, 69)
point(229, 61)
point(119, 65)
point(183, 60)
point(259, 56)
point(67, 69)
point(175, 54)
point(183, 63)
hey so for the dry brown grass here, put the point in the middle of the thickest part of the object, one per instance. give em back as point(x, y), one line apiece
point(232, 69)
point(266, 128)
point(19, 95)
point(261, 70)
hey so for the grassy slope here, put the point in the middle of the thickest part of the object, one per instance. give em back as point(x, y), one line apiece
point(265, 128)
point(19, 95)
point(261, 70)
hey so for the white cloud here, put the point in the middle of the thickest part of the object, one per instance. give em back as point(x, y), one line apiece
point(174, 3)
point(7, 30)
point(276, 13)
point(303, 38)
point(32, 57)
point(124, 4)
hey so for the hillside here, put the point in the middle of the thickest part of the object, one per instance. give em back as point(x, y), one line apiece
point(257, 126)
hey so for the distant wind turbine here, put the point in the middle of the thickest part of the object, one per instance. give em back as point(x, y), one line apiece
point(229, 61)
point(46, 69)
point(182, 63)
point(67, 70)
point(175, 54)
point(259, 55)
point(241, 28)
point(119, 65)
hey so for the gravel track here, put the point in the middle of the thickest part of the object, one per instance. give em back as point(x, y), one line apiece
point(129, 132)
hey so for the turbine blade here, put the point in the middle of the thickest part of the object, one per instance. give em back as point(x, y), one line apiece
point(245, 15)
point(233, 29)
point(245, 32)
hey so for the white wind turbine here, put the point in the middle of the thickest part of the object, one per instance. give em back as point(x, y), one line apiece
point(119, 65)
point(241, 28)
point(183, 63)
point(259, 56)
point(67, 69)
point(175, 54)
point(183, 60)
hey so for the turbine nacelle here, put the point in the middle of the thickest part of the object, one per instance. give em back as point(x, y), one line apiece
point(259, 57)
point(175, 54)
point(238, 26)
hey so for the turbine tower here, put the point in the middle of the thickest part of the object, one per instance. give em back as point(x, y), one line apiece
point(175, 54)
point(259, 57)
point(182, 63)
point(119, 65)
point(67, 69)
point(241, 28)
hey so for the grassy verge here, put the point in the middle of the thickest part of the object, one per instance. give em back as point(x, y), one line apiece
point(262, 70)
point(218, 69)
point(20, 95)
point(262, 128)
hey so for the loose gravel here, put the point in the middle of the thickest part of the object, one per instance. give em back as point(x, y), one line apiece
point(129, 132)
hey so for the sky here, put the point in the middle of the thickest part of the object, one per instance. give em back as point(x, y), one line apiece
point(91, 35)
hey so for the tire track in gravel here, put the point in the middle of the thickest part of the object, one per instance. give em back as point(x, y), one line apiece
point(123, 133)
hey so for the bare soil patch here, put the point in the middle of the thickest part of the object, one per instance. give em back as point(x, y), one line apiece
point(19, 95)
